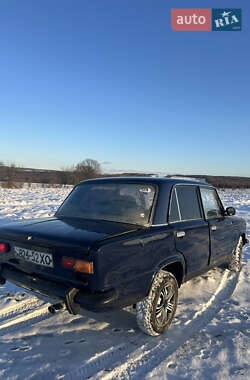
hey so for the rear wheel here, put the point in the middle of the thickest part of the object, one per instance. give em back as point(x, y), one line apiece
point(236, 259)
point(155, 312)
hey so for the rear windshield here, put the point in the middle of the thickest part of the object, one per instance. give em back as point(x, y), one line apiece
point(119, 202)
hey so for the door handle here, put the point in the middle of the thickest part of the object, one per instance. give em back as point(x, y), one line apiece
point(213, 228)
point(180, 234)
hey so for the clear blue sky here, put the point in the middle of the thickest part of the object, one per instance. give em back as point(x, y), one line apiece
point(110, 80)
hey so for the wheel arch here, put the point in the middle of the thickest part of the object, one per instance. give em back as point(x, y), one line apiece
point(176, 266)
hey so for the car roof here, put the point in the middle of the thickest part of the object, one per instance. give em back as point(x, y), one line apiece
point(153, 180)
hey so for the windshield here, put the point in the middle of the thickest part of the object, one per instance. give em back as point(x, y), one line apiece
point(119, 202)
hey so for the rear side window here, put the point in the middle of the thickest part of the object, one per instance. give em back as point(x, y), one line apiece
point(211, 204)
point(184, 204)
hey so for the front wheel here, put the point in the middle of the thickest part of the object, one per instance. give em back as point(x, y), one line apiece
point(155, 312)
point(235, 263)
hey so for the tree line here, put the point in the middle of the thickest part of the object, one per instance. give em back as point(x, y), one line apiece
point(14, 176)
point(231, 182)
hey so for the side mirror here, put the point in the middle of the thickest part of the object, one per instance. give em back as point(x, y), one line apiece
point(230, 211)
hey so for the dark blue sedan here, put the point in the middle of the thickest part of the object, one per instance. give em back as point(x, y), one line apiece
point(124, 241)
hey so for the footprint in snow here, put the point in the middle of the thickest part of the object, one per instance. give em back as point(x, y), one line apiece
point(24, 348)
point(238, 371)
point(19, 297)
point(204, 354)
point(171, 365)
point(131, 330)
point(244, 316)
point(233, 302)
point(246, 332)
point(117, 330)
point(28, 358)
point(64, 353)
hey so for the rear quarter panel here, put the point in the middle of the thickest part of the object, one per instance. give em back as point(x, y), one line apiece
point(129, 264)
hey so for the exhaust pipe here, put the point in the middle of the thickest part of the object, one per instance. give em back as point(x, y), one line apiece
point(58, 306)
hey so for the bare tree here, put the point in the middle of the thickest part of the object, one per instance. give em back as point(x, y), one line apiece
point(11, 170)
point(87, 168)
point(10, 177)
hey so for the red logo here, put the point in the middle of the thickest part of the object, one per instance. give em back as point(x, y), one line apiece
point(191, 19)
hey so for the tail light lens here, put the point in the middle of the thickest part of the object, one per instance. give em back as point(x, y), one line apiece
point(84, 266)
point(68, 263)
point(78, 265)
point(4, 247)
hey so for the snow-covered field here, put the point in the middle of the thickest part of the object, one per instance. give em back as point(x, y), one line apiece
point(209, 337)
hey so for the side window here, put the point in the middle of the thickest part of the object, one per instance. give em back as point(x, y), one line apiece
point(211, 203)
point(184, 204)
point(174, 215)
point(188, 202)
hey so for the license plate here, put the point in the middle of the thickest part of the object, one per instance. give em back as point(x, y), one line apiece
point(33, 256)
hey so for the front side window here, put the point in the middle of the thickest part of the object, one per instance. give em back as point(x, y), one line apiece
point(184, 204)
point(211, 204)
point(120, 202)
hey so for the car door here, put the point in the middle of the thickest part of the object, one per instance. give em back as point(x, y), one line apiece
point(221, 233)
point(191, 231)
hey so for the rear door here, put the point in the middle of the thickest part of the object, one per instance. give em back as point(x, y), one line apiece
point(190, 229)
point(221, 228)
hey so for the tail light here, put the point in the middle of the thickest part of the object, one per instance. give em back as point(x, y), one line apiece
point(78, 265)
point(4, 247)
point(68, 263)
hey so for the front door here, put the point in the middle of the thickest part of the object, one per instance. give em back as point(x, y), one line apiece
point(221, 233)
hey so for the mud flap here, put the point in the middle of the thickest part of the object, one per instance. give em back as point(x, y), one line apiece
point(71, 305)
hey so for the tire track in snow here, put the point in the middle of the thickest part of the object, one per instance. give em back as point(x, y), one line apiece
point(23, 306)
point(140, 364)
point(125, 362)
point(94, 364)
point(25, 320)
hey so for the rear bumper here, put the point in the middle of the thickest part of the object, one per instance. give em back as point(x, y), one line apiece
point(73, 298)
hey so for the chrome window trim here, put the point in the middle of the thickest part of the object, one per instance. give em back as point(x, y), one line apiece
point(159, 225)
point(173, 191)
point(195, 184)
point(185, 220)
point(177, 201)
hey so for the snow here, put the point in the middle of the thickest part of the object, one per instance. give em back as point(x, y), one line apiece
point(208, 339)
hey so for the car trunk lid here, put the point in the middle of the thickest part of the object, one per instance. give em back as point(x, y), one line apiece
point(56, 238)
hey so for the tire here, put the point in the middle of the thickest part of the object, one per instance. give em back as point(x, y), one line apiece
point(235, 263)
point(155, 312)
